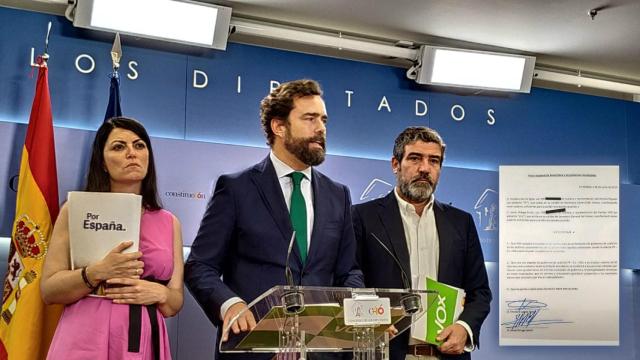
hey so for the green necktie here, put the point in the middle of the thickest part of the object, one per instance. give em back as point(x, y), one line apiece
point(298, 214)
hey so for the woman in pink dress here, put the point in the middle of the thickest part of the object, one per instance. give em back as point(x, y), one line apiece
point(143, 287)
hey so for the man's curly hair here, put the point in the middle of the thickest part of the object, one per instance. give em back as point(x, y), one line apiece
point(279, 103)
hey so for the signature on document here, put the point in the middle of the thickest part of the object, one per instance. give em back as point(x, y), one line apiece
point(525, 313)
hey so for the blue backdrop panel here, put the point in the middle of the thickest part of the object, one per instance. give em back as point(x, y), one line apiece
point(544, 127)
point(633, 130)
point(149, 98)
point(188, 170)
point(200, 133)
point(630, 228)
point(11, 143)
point(79, 100)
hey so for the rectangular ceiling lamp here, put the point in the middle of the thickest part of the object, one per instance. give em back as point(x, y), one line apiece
point(475, 69)
point(184, 22)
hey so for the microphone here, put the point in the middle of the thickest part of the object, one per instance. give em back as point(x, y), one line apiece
point(410, 301)
point(292, 299)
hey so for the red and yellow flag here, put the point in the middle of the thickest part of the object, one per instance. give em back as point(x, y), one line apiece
point(26, 323)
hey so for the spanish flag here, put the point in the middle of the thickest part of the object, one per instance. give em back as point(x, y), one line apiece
point(26, 323)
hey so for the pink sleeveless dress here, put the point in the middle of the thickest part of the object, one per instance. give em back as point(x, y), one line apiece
point(97, 329)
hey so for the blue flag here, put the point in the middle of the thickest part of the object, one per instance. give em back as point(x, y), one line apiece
point(114, 109)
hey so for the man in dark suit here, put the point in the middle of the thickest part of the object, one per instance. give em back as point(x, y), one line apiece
point(246, 229)
point(429, 239)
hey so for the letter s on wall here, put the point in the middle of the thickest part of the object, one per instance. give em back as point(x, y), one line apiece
point(13, 183)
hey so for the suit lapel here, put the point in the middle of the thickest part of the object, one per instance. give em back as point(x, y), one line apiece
point(392, 221)
point(266, 181)
point(446, 236)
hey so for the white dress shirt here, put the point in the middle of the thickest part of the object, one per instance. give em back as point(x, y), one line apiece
point(423, 243)
point(286, 184)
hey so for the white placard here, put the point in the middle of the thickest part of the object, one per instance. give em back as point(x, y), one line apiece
point(99, 221)
point(559, 255)
point(364, 312)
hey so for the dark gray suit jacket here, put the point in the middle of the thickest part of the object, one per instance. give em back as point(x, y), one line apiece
point(461, 260)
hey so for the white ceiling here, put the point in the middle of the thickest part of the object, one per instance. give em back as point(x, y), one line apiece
point(559, 33)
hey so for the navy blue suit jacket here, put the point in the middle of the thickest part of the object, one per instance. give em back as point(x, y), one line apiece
point(461, 260)
point(245, 233)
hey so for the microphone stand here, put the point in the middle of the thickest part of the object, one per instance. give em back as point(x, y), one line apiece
point(410, 301)
point(292, 300)
point(292, 338)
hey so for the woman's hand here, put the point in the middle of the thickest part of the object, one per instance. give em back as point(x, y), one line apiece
point(116, 265)
point(136, 291)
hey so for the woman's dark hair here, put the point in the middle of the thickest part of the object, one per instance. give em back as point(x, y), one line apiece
point(98, 179)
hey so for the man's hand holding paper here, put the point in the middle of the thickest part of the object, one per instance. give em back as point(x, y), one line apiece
point(454, 338)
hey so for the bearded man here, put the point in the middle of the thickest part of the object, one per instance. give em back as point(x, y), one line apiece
point(246, 229)
point(429, 239)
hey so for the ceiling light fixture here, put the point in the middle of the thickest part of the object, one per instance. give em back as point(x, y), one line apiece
point(185, 22)
point(475, 69)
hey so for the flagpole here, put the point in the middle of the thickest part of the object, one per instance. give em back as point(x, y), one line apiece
point(41, 61)
point(116, 53)
point(113, 107)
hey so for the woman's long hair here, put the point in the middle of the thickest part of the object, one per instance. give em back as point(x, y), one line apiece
point(98, 179)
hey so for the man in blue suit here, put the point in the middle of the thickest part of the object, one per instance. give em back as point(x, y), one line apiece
point(246, 229)
point(429, 239)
